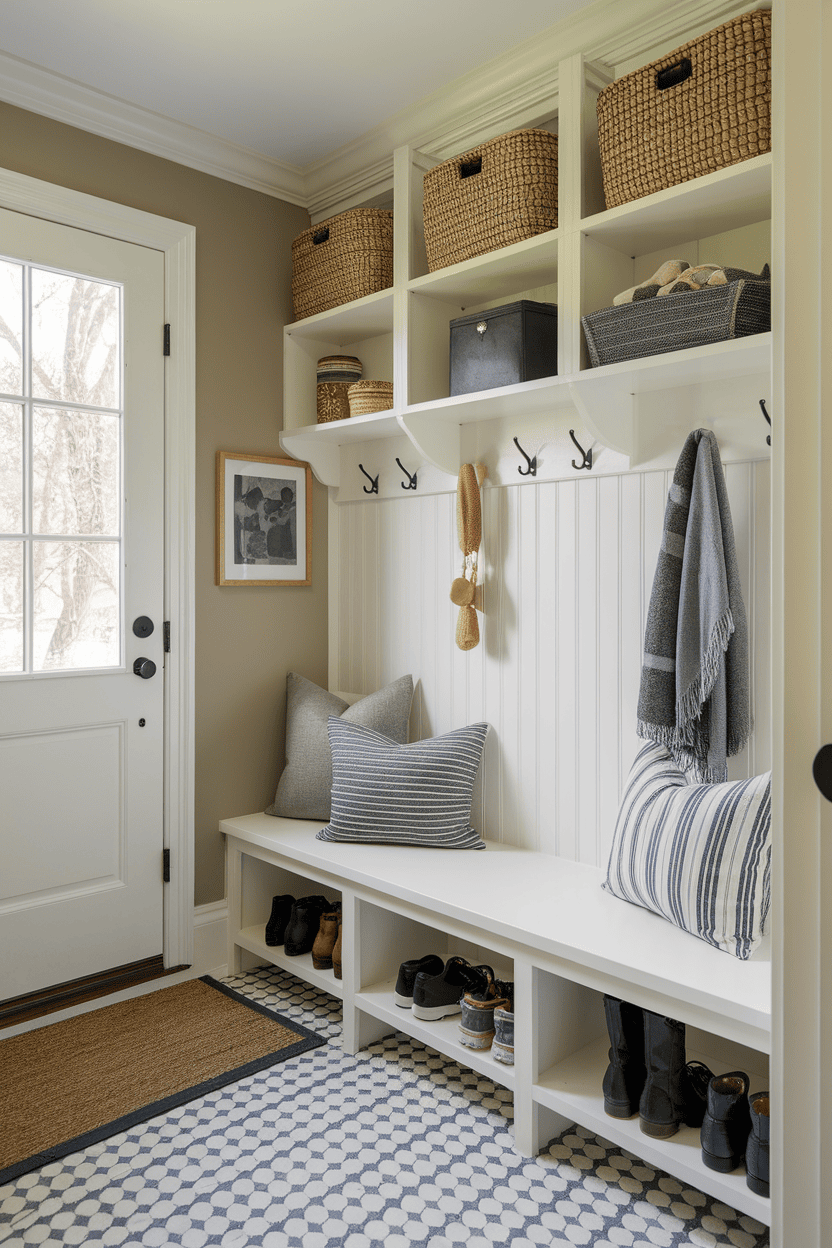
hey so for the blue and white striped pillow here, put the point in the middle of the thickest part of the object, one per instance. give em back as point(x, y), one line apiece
point(697, 854)
point(384, 793)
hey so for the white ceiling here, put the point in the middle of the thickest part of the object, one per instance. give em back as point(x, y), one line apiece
point(291, 81)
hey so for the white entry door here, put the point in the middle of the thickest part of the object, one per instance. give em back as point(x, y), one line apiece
point(81, 561)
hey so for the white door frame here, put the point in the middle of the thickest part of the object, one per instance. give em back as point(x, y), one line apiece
point(178, 242)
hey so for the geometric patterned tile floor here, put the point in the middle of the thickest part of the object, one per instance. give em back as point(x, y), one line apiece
point(396, 1147)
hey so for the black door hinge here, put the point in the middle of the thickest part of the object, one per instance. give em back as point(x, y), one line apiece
point(166, 866)
point(166, 636)
point(166, 341)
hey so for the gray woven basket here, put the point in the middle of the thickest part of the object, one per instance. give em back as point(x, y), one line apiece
point(671, 323)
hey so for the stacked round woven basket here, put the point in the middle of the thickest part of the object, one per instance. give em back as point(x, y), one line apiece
point(370, 396)
point(336, 373)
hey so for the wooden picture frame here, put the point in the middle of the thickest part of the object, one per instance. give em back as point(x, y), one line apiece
point(264, 520)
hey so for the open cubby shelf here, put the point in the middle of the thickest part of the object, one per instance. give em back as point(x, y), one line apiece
point(544, 923)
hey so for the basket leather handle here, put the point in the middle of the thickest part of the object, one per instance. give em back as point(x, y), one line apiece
point(674, 74)
point(470, 167)
point(320, 236)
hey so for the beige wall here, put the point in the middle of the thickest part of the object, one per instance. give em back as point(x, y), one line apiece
point(246, 638)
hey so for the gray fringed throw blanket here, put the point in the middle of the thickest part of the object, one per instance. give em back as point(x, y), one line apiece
point(694, 683)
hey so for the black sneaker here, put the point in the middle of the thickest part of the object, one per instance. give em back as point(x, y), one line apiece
point(437, 996)
point(431, 964)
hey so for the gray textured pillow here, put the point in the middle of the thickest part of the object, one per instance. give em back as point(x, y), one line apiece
point(303, 790)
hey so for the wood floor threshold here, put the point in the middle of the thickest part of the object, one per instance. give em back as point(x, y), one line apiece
point(75, 991)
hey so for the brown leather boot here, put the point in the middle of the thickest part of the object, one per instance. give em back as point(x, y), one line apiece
point(336, 952)
point(325, 941)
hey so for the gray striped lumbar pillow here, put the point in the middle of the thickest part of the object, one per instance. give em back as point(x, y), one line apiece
point(697, 854)
point(384, 793)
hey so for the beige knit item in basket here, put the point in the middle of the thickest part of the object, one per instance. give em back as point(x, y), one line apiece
point(341, 259)
point(499, 193)
point(702, 107)
point(469, 528)
point(370, 396)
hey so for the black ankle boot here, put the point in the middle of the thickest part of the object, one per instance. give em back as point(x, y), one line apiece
point(303, 925)
point(625, 1075)
point(756, 1152)
point(279, 918)
point(663, 1104)
point(727, 1122)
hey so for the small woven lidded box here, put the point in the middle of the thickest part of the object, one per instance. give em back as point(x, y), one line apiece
point(335, 375)
point(499, 193)
point(699, 108)
point(342, 259)
point(370, 396)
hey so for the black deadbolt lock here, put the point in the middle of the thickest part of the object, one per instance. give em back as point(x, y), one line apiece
point(144, 668)
point(143, 626)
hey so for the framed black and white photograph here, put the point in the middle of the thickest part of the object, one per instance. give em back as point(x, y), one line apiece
point(264, 520)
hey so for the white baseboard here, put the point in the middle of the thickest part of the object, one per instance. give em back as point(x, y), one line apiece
point(210, 937)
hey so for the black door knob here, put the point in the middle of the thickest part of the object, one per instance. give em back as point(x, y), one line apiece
point(822, 771)
point(144, 668)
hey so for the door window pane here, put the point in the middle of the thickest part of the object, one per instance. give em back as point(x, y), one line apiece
point(11, 327)
point(11, 606)
point(76, 605)
point(75, 339)
point(11, 468)
point(75, 462)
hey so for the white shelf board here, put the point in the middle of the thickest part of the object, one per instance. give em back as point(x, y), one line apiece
point(603, 395)
point(352, 322)
point(725, 200)
point(352, 429)
point(522, 266)
point(573, 1088)
point(442, 1035)
point(521, 399)
point(253, 939)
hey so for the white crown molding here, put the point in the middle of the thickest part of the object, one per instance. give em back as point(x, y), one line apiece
point(515, 89)
point(40, 91)
point(518, 88)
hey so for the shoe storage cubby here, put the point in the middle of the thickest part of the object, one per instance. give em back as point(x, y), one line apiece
point(385, 939)
point(621, 410)
point(543, 923)
point(258, 884)
point(570, 1056)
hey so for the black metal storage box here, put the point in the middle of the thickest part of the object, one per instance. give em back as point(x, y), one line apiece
point(499, 347)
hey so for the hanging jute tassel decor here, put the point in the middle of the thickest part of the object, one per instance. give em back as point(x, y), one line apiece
point(469, 528)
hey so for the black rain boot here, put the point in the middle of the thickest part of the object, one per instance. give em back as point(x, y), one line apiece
point(303, 925)
point(662, 1105)
point(625, 1075)
point(279, 918)
point(756, 1152)
point(727, 1122)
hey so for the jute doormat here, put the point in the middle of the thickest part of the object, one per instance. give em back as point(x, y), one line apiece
point(71, 1084)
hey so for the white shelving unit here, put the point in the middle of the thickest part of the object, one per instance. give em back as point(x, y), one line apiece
point(402, 334)
point(540, 921)
point(545, 920)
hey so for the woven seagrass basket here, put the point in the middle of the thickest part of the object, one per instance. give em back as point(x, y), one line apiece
point(335, 375)
point(672, 322)
point(370, 396)
point(702, 107)
point(499, 193)
point(344, 258)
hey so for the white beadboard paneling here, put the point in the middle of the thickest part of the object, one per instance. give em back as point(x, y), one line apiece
point(567, 571)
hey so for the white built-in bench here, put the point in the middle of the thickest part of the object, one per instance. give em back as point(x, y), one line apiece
point(544, 922)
